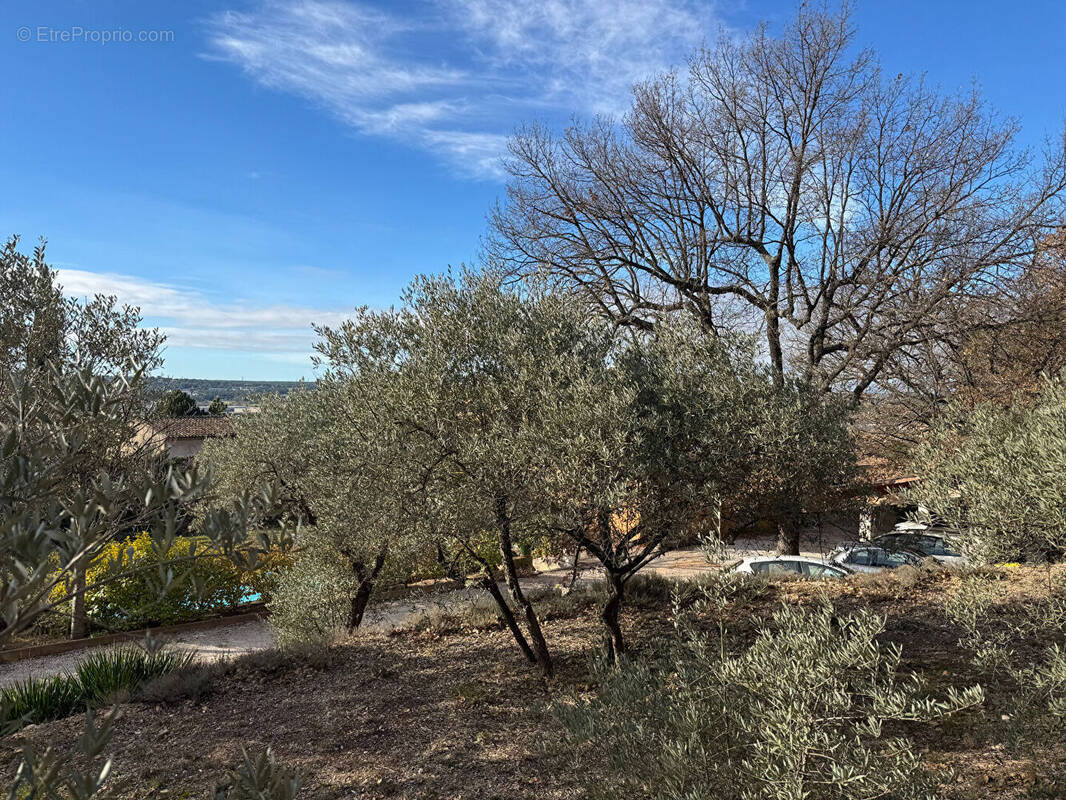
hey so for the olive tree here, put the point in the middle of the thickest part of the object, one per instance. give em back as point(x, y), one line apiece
point(667, 427)
point(803, 461)
point(71, 480)
point(41, 333)
point(466, 377)
point(998, 474)
point(339, 474)
point(646, 442)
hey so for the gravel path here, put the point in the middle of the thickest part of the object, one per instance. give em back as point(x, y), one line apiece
point(209, 645)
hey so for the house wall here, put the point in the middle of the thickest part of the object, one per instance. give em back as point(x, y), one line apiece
point(184, 448)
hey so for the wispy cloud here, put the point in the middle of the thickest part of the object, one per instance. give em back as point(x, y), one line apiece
point(586, 53)
point(459, 78)
point(190, 318)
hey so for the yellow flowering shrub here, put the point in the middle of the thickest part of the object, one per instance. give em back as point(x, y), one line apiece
point(131, 584)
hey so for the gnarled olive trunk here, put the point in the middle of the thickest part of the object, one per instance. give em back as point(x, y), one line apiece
point(611, 615)
point(536, 635)
point(366, 575)
point(488, 583)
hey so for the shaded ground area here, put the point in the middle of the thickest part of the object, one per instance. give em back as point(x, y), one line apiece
point(452, 712)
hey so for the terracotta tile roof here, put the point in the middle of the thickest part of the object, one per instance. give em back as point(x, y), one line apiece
point(206, 427)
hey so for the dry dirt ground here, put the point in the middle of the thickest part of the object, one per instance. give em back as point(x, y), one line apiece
point(452, 712)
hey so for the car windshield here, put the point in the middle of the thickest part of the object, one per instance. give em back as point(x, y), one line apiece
point(776, 568)
point(822, 571)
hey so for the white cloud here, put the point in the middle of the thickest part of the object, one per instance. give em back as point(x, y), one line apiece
point(590, 51)
point(457, 80)
point(191, 319)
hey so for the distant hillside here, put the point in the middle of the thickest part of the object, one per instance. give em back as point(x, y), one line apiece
point(204, 391)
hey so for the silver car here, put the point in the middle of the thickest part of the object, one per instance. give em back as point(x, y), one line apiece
point(802, 566)
point(924, 541)
point(868, 557)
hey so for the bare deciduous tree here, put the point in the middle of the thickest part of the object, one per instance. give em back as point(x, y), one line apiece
point(786, 184)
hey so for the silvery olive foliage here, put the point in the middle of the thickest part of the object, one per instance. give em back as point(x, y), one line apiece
point(41, 331)
point(341, 476)
point(804, 712)
point(72, 478)
point(995, 633)
point(52, 527)
point(998, 474)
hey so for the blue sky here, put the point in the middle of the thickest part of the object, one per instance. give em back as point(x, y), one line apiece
point(270, 164)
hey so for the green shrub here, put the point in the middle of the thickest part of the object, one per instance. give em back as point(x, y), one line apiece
point(97, 680)
point(134, 583)
point(260, 778)
point(1033, 707)
point(801, 713)
point(40, 699)
point(193, 683)
point(311, 599)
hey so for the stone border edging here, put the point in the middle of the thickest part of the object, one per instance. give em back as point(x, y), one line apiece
point(249, 612)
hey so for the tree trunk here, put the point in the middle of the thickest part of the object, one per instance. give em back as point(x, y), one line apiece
point(788, 538)
point(488, 583)
point(610, 615)
point(79, 621)
point(364, 588)
point(536, 635)
point(358, 604)
point(508, 616)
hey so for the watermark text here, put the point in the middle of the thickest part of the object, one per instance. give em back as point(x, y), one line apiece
point(76, 34)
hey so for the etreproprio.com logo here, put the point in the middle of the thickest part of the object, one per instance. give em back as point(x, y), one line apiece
point(76, 34)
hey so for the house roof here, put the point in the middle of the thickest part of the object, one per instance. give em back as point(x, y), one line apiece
point(204, 427)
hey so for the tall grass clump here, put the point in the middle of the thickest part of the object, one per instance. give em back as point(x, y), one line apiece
point(108, 672)
point(100, 679)
point(39, 700)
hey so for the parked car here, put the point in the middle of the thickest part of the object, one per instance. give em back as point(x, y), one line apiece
point(867, 557)
point(918, 538)
point(803, 566)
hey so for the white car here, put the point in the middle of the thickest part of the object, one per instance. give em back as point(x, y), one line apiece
point(803, 566)
point(868, 557)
